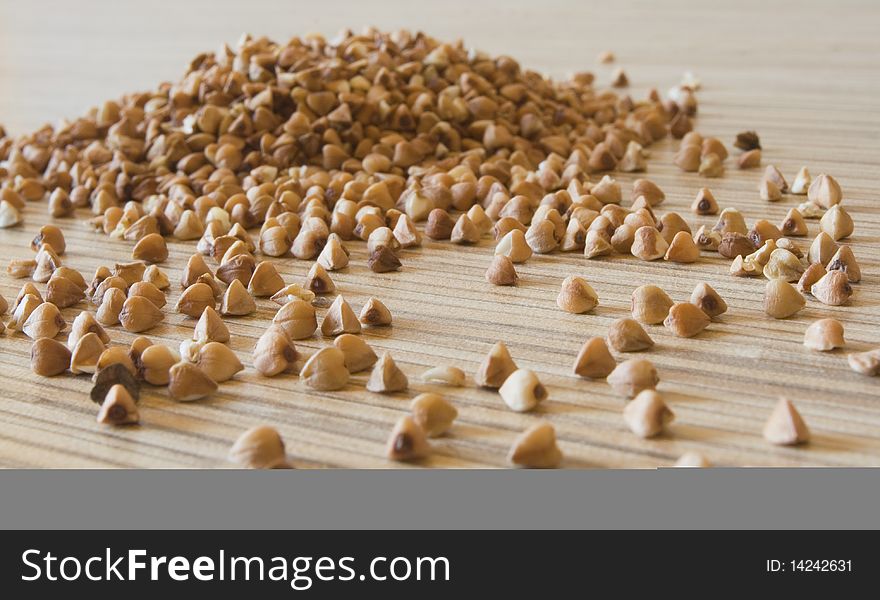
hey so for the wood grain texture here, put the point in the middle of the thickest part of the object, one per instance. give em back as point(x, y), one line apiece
point(804, 76)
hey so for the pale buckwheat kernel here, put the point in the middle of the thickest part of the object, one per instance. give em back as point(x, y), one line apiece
point(650, 304)
point(274, 352)
point(781, 299)
point(811, 275)
point(148, 291)
point(647, 415)
point(536, 448)
point(576, 295)
point(837, 223)
point(265, 281)
point(445, 375)
point(693, 460)
point(824, 335)
point(682, 249)
point(85, 354)
point(260, 447)
point(822, 249)
point(386, 377)
point(117, 355)
point(44, 322)
point(359, 356)
point(407, 441)
point(514, 246)
point(598, 243)
point(375, 314)
point(522, 391)
point(237, 301)
point(844, 260)
point(433, 414)
point(825, 191)
point(194, 299)
point(769, 191)
point(118, 408)
point(291, 292)
point(218, 361)
point(187, 382)
point(866, 363)
point(335, 255)
point(155, 362)
point(785, 426)
point(325, 370)
point(210, 328)
point(85, 323)
point(111, 307)
point(318, 280)
point(705, 203)
point(783, 265)
point(832, 289)
point(495, 368)
point(648, 244)
point(632, 376)
point(340, 318)
point(801, 182)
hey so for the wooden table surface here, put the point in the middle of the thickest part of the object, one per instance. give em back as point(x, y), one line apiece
point(805, 77)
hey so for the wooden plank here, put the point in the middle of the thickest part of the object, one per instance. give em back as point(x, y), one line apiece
point(765, 66)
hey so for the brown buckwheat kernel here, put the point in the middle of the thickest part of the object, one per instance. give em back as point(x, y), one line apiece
point(627, 335)
point(49, 357)
point(594, 361)
point(686, 320)
point(139, 314)
point(650, 304)
point(708, 300)
point(501, 271)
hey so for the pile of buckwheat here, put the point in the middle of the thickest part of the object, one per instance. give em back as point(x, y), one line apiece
point(268, 152)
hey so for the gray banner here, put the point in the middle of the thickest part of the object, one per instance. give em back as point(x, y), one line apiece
point(338, 499)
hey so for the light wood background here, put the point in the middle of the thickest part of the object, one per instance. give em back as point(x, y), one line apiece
point(804, 76)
